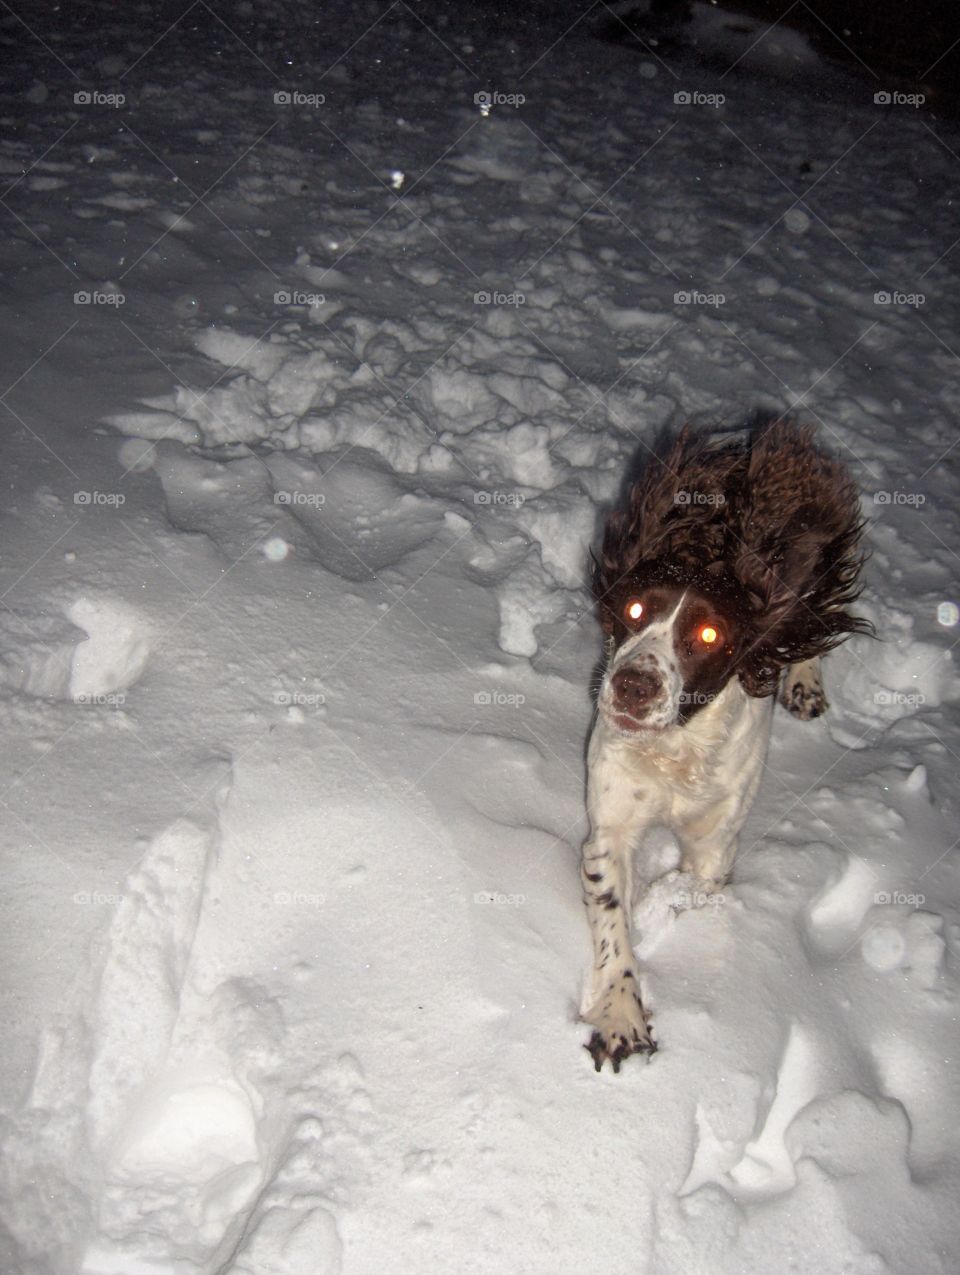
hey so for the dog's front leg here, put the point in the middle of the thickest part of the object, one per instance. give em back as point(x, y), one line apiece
point(708, 844)
point(617, 1014)
point(709, 835)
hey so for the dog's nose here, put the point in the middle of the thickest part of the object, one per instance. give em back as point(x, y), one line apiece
point(634, 689)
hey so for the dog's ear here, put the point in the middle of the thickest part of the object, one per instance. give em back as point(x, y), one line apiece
point(799, 601)
point(799, 559)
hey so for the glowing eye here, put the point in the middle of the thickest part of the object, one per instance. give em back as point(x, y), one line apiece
point(634, 609)
point(708, 634)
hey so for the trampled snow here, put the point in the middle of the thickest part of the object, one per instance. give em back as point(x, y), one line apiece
point(313, 410)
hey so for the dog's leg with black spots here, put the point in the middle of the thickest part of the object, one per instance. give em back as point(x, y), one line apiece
point(616, 1013)
point(801, 691)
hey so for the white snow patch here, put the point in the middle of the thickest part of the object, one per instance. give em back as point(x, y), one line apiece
point(116, 651)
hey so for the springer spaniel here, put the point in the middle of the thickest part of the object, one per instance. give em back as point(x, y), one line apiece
point(734, 559)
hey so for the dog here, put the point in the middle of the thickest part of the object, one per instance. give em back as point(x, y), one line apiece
point(725, 578)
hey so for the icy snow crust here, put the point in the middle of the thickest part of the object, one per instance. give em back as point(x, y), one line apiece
point(293, 938)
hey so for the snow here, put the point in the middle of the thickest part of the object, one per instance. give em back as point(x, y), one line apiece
point(296, 648)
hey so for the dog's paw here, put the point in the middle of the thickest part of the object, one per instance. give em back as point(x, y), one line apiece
point(621, 1024)
point(689, 890)
point(804, 699)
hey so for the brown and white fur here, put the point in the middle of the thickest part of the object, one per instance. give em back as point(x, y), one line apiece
point(726, 577)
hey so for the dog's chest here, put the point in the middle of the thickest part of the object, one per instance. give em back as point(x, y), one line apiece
point(679, 770)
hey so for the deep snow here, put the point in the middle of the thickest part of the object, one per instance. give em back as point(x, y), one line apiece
point(312, 410)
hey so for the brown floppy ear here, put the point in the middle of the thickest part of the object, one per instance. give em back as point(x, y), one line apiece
point(801, 604)
point(799, 560)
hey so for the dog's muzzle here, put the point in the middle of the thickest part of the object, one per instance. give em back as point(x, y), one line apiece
point(637, 698)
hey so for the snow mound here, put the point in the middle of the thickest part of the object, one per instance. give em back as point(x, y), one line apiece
point(116, 650)
point(38, 654)
point(883, 681)
point(188, 1128)
point(45, 655)
point(492, 421)
point(358, 517)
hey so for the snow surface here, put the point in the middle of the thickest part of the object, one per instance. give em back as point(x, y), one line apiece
point(295, 651)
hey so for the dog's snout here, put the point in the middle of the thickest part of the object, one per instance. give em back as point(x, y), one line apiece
point(634, 689)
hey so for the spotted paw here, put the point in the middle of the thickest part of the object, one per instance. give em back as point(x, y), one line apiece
point(622, 1025)
point(803, 699)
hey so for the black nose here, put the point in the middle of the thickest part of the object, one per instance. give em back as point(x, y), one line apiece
point(633, 689)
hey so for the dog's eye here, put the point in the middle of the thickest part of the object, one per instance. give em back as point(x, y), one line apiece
point(634, 610)
point(708, 634)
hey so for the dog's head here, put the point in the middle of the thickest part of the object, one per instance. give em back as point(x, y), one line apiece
point(732, 559)
point(671, 647)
